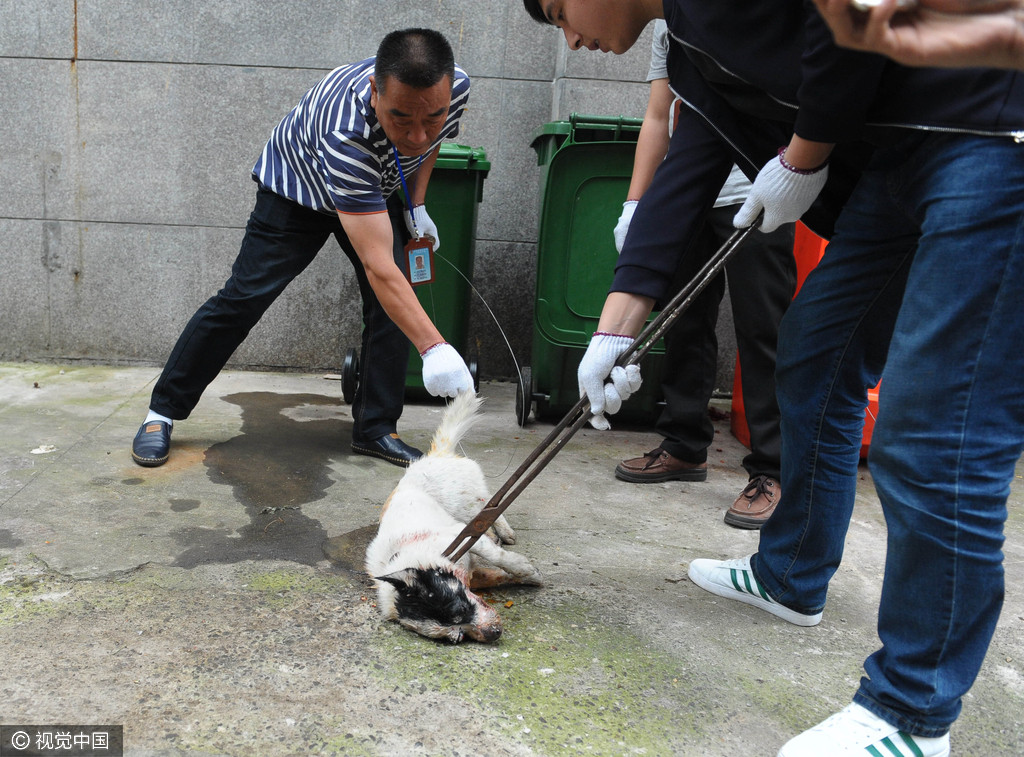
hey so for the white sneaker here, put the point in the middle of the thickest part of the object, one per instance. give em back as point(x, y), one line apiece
point(733, 579)
point(855, 731)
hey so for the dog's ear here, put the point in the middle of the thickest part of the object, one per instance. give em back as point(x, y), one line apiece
point(400, 579)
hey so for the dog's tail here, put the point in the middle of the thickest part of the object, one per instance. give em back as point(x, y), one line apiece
point(459, 417)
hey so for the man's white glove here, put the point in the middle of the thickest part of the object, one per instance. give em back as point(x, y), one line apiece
point(783, 192)
point(424, 225)
point(622, 227)
point(444, 371)
point(598, 364)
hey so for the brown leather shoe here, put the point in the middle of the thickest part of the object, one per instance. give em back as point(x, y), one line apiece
point(659, 465)
point(755, 503)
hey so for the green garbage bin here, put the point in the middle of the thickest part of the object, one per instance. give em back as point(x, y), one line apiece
point(454, 192)
point(587, 163)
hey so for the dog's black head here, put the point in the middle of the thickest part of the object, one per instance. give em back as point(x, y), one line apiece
point(434, 602)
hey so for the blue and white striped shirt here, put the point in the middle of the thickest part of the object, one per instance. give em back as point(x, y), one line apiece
point(330, 152)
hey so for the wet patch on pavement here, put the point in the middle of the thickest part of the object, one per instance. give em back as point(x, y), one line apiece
point(348, 551)
point(278, 463)
point(8, 540)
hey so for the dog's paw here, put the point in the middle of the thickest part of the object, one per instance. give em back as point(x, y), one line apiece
point(504, 531)
point(533, 578)
point(522, 571)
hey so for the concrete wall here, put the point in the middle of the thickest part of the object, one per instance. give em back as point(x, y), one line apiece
point(129, 130)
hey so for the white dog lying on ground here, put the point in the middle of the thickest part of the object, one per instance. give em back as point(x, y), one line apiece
point(437, 496)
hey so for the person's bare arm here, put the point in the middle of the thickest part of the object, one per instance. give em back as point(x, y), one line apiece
point(652, 142)
point(936, 33)
point(371, 236)
point(805, 154)
point(624, 313)
point(419, 191)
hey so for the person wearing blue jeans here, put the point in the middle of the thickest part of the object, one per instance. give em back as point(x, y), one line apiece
point(928, 260)
point(919, 285)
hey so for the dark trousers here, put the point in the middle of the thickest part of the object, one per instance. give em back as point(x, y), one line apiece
point(762, 279)
point(281, 240)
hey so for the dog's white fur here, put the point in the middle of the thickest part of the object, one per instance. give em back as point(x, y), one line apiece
point(437, 496)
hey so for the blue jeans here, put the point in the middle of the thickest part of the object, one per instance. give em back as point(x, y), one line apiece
point(920, 286)
point(281, 240)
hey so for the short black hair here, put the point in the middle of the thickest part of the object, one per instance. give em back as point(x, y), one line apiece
point(534, 9)
point(418, 58)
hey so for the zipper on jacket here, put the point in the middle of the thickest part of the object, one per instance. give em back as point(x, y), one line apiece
point(709, 56)
point(722, 134)
point(1017, 136)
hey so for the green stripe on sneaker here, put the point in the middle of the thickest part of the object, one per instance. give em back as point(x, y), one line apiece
point(762, 592)
point(746, 582)
point(893, 748)
point(750, 584)
point(911, 745)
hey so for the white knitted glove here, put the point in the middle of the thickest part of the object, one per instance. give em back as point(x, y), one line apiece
point(598, 364)
point(424, 224)
point(784, 193)
point(444, 372)
point(622, 227)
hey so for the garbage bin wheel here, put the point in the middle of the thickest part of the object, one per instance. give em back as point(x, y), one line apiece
point(474, 370)
point(350, 376)
point(524, 395)
point(542, 405)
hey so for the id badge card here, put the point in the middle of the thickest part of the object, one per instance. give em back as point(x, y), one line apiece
point(419, 261)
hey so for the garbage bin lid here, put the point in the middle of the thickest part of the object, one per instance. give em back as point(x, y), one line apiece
point(454, 155)
point(584, 128)
point(551, 129)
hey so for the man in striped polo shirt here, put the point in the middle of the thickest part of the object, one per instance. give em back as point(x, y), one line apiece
point(351, 160)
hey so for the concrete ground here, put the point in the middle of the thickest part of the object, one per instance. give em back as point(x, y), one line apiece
point(216, 605)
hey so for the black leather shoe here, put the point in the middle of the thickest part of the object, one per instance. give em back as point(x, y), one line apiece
point(152, 445)
point(389, 447)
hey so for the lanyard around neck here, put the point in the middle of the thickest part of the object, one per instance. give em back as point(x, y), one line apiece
point(405, 188)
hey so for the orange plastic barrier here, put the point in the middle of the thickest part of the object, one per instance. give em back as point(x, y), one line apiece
point(808, 249)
